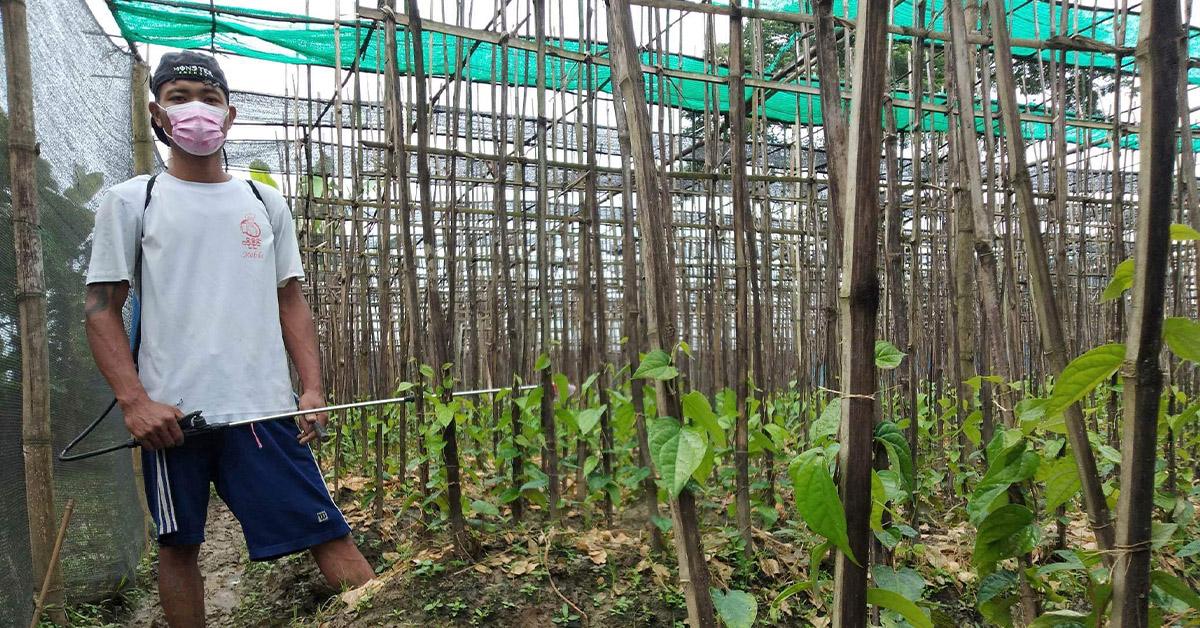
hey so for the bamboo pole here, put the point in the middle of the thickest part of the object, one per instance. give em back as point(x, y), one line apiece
point(743, 222)
point(500, 209)
point(439, 320)
point(385, 384)
point(31, 302)
point(653, 215)
point(835, 154)
point(633, 329)
point(1046, 306)
point(607, 444)
point(550, 450)
point(1158, 62)
point(982, 230)
point(58, 541)
point(859, 301)
point(143, 163)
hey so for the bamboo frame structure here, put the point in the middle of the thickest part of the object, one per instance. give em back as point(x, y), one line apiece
point(589, 214)
point(792, 177)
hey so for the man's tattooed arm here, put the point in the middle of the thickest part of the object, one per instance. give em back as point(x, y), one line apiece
point(99, 296)
point(110, 344)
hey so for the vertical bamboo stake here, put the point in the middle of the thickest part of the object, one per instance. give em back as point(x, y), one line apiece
point(1158, 60)
point(500, 211)
point(917, 72)
point(834, 125)
point(58, 541)
point(143, 163)
point(742, 223)
point(1116, 321)
point(385, 382)
point(633, 323)
point(600, 287)
point(550, 450)
point(962, 290)
point(1187, 155)
point(439, 341)
point(143, 141)
point(31, 302)
point(983, 232)
point(654, 214)
point(1046, 306)
point(859, 301)
point(894, 250)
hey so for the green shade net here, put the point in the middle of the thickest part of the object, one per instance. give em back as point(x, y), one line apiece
point(1028, 19)
point(289, 38)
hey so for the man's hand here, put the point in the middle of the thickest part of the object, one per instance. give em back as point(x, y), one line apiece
point(154, 425)
point(309, 400)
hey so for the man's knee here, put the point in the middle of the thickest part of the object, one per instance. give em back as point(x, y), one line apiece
point(178, 555)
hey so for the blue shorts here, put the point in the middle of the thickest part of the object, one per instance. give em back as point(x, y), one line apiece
point(267, 478)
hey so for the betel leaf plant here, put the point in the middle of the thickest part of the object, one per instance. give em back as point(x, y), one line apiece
point(821, 507)
point(1033, 451)
point(684, 450)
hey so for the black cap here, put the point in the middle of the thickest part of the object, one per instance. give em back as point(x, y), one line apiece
point(191, 66)
point(187, 65)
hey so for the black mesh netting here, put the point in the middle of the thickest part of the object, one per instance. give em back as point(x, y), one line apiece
point(82, 110)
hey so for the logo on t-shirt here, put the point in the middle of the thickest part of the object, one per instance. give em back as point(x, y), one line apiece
point(253, 241)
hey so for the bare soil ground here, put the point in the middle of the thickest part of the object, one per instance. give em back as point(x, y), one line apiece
point(240, 593)
point(577, 575)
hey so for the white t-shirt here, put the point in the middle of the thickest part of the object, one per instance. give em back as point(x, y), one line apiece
point(212, 259)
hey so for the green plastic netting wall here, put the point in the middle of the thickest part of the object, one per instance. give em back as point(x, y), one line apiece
point(82, 113)
point(281, 37)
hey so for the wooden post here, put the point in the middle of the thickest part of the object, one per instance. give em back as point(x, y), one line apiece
point(983, 232)
point(1158, 62)
point(1045, 305)
point(834, 125)
point(550, 450)
point(31, 303)
point(743, 222)
point(859, 304)
point(654, 216)
point(143, 163)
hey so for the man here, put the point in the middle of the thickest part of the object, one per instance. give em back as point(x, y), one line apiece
point(217, 267)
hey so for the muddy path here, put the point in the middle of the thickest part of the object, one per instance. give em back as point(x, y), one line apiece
point(223, 567)
point(239, 593)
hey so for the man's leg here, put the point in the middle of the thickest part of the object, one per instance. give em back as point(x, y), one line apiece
point(180, 586)
point(341, 563)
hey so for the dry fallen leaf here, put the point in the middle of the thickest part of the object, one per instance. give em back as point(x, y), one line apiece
point(351, 598)
point(662, 575)
point(770, 566)
point(598, 556)
point(521, 567)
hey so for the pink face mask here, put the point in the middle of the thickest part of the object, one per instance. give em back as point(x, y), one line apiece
point(196, 127)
